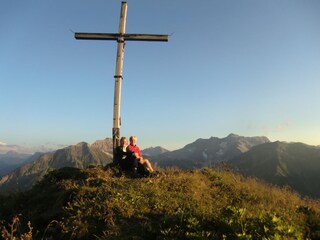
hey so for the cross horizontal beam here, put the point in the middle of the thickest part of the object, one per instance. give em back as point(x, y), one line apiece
point(118, 36)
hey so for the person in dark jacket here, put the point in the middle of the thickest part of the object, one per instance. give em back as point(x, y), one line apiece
point(124, 158)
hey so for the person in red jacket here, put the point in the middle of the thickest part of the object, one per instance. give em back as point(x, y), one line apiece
point(136, 150)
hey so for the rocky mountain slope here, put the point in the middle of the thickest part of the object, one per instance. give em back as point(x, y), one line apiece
point(294, 164)
point(153, 151)
point(104, 145)
point(208, 152)
point(80, 156)
point(12, 160)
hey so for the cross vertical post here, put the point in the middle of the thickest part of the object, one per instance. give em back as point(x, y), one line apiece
point(118, 78)
point(120, 37)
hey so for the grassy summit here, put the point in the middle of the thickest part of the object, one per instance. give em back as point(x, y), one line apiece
point(96, 203)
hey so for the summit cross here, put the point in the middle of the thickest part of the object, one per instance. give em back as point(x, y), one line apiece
point(120, 37)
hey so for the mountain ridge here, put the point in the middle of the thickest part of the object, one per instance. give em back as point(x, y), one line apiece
point(12, 161)
point(293, 164)
point(80, 156)
point(4, 148)
point(208, 152)
point(152, 151)
point(277, 162)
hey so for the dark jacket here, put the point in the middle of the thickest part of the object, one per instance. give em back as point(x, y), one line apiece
point(126, 160)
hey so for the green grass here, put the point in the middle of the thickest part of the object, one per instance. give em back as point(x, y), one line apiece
point(96, 203)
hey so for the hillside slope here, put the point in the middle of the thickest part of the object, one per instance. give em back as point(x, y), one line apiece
point(96, 203)
point(294, 164)
point(80, 156)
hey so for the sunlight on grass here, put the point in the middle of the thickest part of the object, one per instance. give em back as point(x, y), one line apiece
point(200, 204)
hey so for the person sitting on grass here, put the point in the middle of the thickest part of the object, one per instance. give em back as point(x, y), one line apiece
point(136, 150)
point(125, 159)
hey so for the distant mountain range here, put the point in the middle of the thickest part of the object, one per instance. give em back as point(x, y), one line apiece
point(12, 160)
point(152, 151)
point(208, 152)
point(4, 148)
point(294, 164)
point(80, 156)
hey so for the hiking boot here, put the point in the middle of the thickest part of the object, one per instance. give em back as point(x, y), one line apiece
point(134, 173)
point(154, 174)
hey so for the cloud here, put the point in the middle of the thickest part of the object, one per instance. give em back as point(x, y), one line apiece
point(280, 127)
point(283, 126)
point(277, 128)
point(3, 143)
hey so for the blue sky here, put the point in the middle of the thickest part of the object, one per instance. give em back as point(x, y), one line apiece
point(249, 67)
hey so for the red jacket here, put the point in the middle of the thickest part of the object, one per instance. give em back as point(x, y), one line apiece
point(134, 149)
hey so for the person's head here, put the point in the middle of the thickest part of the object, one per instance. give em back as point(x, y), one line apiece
point(133, 140)
point(123, 141)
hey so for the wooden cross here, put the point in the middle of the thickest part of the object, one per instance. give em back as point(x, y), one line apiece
point(120, 37)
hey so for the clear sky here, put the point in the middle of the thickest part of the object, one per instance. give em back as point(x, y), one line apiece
point(249, 67)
